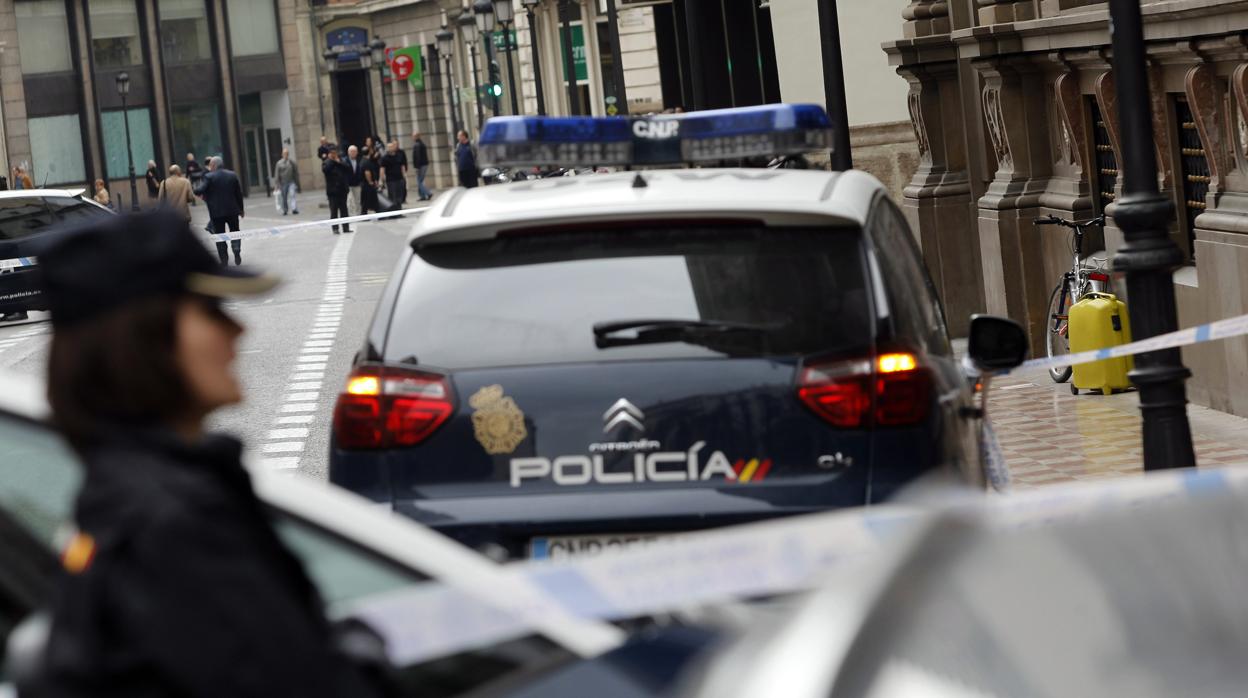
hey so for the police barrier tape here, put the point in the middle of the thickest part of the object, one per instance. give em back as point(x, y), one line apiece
point(695, 570)
point(259, 232)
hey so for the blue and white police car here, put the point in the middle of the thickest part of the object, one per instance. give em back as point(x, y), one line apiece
point(565, 365)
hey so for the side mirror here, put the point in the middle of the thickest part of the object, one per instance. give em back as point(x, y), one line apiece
point(996, 343)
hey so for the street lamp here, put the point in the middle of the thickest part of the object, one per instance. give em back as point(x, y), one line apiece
point(377, 51)
point(569, 59)
point(446, 48)
point(468, 29)
point(1148, 255)
point(331, 60)
point(123, 89)
point(505, 12)
point(529, 6)
point(486, 22)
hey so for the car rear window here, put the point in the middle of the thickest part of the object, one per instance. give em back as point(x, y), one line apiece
point(24, 215)
point(536, 298)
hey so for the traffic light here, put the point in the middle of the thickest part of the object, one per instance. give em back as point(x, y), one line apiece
point(496, 90)
point(495, 87)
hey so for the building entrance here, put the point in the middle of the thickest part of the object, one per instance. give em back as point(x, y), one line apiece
point(352, 105)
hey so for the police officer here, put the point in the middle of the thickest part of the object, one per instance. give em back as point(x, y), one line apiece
point(176, 583)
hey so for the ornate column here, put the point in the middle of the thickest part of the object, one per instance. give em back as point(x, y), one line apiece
point(937, 201)
point(1015, 115)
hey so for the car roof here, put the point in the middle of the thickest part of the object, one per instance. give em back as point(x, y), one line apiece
point(777, 197)
point(37, 193)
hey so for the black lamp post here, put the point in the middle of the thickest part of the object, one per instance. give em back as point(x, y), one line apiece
point(1148, 255)
point(569, 58)
point(468, 28)
point(446, 47)
point(617, 66)
point(537, 60)
point(483, 10)
point(123, 89)
point(377, 48)
point(834, 85)
point(505, 13)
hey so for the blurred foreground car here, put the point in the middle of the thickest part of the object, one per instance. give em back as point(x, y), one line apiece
point(352, 552)
point(24, 215)
point(566, 365)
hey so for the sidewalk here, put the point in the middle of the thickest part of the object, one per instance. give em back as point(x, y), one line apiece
point(1048, 435)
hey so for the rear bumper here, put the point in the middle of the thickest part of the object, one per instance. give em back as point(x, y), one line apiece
point(513, 521)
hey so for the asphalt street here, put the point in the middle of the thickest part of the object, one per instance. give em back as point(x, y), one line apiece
point(300, 339)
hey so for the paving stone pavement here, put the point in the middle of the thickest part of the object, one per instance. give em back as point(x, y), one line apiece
point(1048, 435)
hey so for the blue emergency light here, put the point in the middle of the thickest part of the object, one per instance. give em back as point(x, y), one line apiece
point(662, 139)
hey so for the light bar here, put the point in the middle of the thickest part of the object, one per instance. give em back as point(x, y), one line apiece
point(664, 139)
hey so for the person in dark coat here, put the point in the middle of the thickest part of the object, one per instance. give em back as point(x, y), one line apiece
point(369, 201)
point(394, 164)
point(465, 161)
point(420, 161)
point(337, 177)
point(223, 193)
point(175, 582)
point(194, 172)
point(323, 150)
point(154, 179)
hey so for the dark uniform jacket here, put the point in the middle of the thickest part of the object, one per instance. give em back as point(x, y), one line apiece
point(337, 175)
point(393, 164)
point(189, 591)
point(223, 193)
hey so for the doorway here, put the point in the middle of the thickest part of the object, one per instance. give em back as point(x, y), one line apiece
point(352, 102)
point(256, 158)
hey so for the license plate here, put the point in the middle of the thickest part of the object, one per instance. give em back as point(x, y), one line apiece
point(566, 547)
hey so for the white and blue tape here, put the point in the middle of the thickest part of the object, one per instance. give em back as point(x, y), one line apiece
point(695, 570)
point(258, 232)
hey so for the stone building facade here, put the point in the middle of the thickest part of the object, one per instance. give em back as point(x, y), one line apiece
point(1014, 109)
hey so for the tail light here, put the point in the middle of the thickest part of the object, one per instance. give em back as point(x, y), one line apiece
point(891, 390)
point(1098, 276)
point(383, 407)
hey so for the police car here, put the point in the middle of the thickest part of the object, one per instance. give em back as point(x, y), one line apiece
point(24, 214)
point(567, 365)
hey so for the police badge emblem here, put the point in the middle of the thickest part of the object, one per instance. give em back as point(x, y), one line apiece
point(496, 420)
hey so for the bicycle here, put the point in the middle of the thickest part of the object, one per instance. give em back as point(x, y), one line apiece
point(1082, 278)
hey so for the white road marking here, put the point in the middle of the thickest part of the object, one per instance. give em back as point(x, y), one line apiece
point(282, 447)
point(302, 397)
point(296, 419)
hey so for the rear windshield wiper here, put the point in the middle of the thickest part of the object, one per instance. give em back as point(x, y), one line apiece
point(651, 331)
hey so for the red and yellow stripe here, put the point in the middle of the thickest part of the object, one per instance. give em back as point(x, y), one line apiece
point(752, 470)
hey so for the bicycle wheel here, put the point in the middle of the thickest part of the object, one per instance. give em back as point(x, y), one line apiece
point(1056, 339)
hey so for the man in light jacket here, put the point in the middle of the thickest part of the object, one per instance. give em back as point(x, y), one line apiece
point(286, 179)
point(175, 193)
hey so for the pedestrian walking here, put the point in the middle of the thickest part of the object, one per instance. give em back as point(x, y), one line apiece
point(223, 194)
point(355, 181)
point(369, 200)
point(194, 172)
point(323, 150)
point(465, 161)
point(394, 165)
point(21, 180)
point(101, 194)
point(337, 175)
point(153, 179)
point(175, 193)
point(175, 582)
point(286, 178)
point(420, 161)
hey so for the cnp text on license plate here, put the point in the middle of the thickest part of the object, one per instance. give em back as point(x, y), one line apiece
point(564, 547)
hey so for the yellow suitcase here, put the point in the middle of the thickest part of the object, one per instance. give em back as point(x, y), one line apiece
point(1099, 321)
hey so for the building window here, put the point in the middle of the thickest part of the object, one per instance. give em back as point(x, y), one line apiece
point(196, 129)
point(56, 150)
point(42, 24)
point(115, 39)
point(184, 31)
point(114, 129)
point(1106, 179)
point(253, 27)
point(1193, 167)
